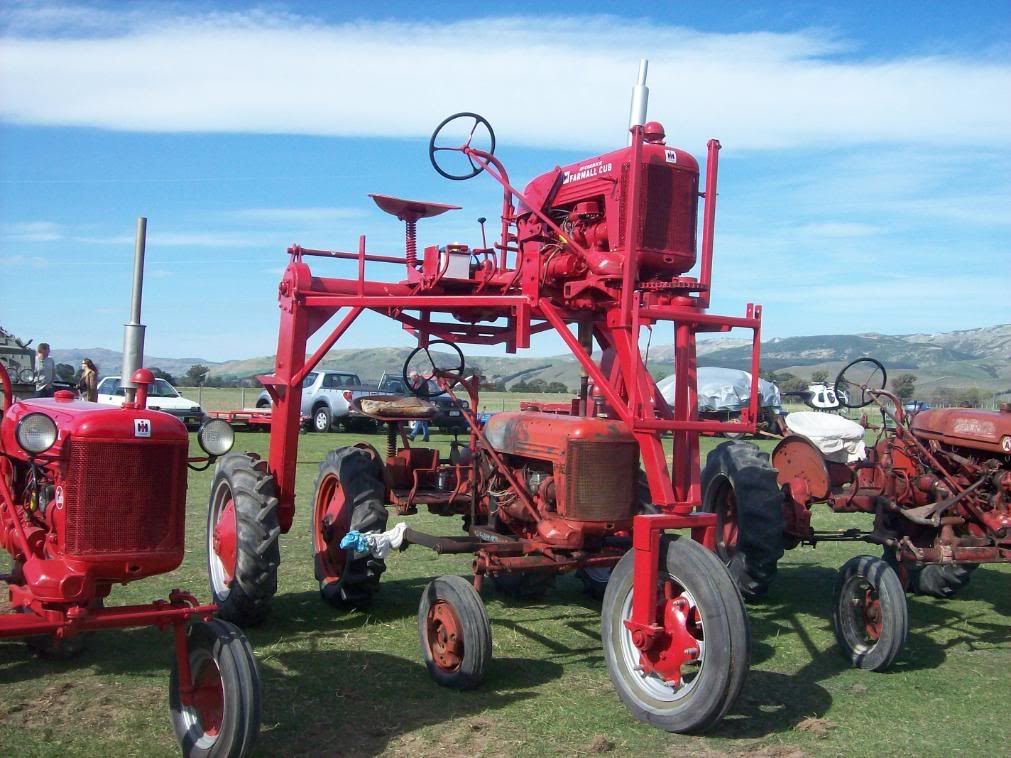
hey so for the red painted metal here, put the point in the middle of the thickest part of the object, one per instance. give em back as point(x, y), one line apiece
point(938, 484)
point(444, 636)
point(605, 245)
point(104, 505)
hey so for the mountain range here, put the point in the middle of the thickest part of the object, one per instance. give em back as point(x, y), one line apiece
point(978, 358)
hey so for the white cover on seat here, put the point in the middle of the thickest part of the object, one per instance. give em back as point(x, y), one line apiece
point(838, 438)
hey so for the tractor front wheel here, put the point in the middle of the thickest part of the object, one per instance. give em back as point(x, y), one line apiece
point(221, 715)
point(693, 673)
point(739, 486)
point(454, 632)
point(349, 494)
point(242, 539)
point(869, 615)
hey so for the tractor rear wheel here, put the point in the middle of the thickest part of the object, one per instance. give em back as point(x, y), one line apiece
point(349, 494)
point(242, 539)
point(739, 486)
point(699, 666)
point(223, 715)
point(454, 632)
point(869, 613)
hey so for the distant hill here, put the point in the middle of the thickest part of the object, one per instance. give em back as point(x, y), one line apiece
point(969, 358)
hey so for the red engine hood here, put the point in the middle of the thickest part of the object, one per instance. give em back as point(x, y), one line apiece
point(79, 419)
point(965, 427)
point(546, 435)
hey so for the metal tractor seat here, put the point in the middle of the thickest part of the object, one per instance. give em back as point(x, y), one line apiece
point(395, 408)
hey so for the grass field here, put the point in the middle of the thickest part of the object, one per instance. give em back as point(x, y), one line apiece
point(353, 683)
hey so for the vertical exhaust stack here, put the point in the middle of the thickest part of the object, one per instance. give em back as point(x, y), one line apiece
point(640, 99)
point(133, 331)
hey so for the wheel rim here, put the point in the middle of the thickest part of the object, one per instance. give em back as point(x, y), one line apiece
point(321, 421)
point(331, 521)
point(205, 712)
point(684, 629)
point(222, 549)
point(444, 635)
point(860, 614)
point(725, 508)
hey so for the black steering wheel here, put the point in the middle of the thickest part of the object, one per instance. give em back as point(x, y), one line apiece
point(460, 172)
point(857, 384)
point(420, 374)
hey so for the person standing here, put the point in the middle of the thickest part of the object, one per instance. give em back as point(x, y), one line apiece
point(89, 381)
point(45, 371)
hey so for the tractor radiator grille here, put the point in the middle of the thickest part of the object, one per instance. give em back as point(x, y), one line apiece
point(668, 204)
point(125, 497)
point(600, 480)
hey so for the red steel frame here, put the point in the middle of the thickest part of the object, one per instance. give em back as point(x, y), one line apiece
point(308, 302)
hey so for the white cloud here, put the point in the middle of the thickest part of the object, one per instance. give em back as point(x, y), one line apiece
point(274, 73)
point(32, 231)
point(24, 260)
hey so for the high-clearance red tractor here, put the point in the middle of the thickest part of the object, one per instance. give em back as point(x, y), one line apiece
point(92, 496)
point(597, 251)
point(938, 484)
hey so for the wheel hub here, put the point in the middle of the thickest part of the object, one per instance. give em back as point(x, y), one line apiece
point(681, 641)
point(208, 698)
point(225, 540)
point(445, 636)
point(332, 520)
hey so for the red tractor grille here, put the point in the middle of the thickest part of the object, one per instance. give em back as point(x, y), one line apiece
point(600, 480)
point(668, 206)
point(125, 497)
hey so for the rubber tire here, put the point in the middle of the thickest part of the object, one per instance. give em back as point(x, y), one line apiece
point(240, 680)
point(523, 585)
point(469, 608)
point(759, 502)
point(895, 614)
point(258, 556)
point(728, 638)
point(322, 420)
point(361, 476)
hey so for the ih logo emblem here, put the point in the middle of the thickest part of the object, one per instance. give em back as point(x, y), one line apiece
point(141, 427)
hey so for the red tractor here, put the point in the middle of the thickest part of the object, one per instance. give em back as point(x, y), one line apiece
point(596, 252)
point(938, 484)
point(92, 496)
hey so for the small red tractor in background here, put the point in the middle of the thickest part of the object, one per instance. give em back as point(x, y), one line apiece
point(595, 252)
point(92, 496)
point(938, 484)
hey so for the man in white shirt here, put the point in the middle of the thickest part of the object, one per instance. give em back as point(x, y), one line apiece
point(45, 372)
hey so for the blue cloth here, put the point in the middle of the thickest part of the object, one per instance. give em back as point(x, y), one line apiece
point(356, 540)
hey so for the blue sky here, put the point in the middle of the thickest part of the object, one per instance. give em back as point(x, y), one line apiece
point(865, 180)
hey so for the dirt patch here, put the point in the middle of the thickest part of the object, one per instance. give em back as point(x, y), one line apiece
point(90, 706)
point(820, 728)
point(601, 743)
point(465, 737)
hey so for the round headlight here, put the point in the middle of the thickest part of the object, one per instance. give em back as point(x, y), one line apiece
point(36, 433)
point(216, 437)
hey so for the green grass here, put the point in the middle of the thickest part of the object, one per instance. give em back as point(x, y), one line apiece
point(353, 684)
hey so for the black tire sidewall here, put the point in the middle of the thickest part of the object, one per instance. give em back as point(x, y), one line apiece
point(894, 612)
point(727, 638)
point(473, 617)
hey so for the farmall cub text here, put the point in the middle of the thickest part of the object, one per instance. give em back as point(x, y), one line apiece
point(596, 252)
point(92, 496)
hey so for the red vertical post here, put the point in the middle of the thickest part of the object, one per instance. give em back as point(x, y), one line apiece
point(631, 271)
point(709, 221)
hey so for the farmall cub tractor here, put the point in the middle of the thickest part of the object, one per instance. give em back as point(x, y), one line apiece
point(938, 484)
point(92, 496)
point(595, 252)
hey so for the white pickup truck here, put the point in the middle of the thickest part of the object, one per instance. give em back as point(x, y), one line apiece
point(327, 397)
